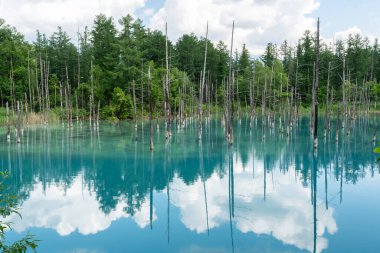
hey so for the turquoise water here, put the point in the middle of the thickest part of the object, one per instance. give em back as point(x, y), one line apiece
point(83, 190)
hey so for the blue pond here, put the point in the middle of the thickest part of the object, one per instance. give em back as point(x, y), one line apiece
point(85, 190)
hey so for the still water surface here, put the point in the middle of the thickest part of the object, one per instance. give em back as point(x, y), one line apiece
point(100, 191)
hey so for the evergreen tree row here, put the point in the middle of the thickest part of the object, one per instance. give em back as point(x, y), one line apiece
point(111, 60)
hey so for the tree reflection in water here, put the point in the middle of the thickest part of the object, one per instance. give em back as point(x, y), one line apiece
point(272, 181)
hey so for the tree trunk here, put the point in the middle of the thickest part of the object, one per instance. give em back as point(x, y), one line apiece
point(8, 124)
point(18, 138)
point(26, 111)
point(327, 100)
point(150, 110)
point(231, 91)
point(316, 91)
point(167, 86)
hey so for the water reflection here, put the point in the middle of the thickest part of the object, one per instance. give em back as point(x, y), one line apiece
point(83, 179)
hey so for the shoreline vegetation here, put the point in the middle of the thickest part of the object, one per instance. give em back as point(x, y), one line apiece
point(137, 73)
point(37, 118)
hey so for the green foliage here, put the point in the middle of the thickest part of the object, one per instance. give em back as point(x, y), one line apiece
point(121, 106)
point(122, 54)
point(8, 206)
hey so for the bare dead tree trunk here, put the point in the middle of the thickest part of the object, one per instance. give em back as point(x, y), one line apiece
point(316, 91)
point(32, 101)
point(251, 101)
point(142, 99)
point(67, 106)
point(134, 105)
point(98, 115)
point(79, 53)
point(26, 111)
point(331, 109)
point(18, 138)
point(232, 97)
point(167, 86)
point(134, 108)
point(231, 92)
point(313, 102)
point(76, 104)
point(90, 115)
point(210, 87)
point(344, 92)
point(92, 108)
point(355, 100)
point(327, 100)
point(29, 81)
point(8, 124)
point(337, 125)
point(70, 114)
point(11, 86)
point(47, 93)
point(61, 100)
point(38, 88)
point(280, 106)
point(42, 90)
point(295, 91)
point(271, 97)
point(274, 104)
point(55, 96)
point(22, 116)
point(201, 88)
point(288, 111)
point(263, 103)
point(150, 110)
point(238, 97)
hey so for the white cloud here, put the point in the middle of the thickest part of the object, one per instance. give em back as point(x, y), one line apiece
point(75, 209)
point(343, 35)
point(148, 11)
point(257, 22)
point(286, 214)
point(47, 15)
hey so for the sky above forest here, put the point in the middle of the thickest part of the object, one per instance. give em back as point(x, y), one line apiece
point(257, 22)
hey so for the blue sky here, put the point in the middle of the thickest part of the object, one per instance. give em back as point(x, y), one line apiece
point(257, 21)
point(338, 15)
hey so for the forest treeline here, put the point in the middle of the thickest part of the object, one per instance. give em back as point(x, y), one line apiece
point(109, 62)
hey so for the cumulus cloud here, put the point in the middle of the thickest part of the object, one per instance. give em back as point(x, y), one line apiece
point(75, 209)
point(344, 34)
point(286, 214)
point(46, 15)
point(257, 22)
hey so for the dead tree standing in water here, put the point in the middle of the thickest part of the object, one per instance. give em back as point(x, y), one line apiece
point(167, 85)
point(231, 92)
point(134, 108)
point(8, 125)
point(327, 101)
point(18, 132)
point(26, 111)
point(92, 108)
point(150, 110)
point(201, 88)
point(263, 103)
point(316, 91)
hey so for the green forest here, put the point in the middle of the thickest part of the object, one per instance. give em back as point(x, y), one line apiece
point(112, 64)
